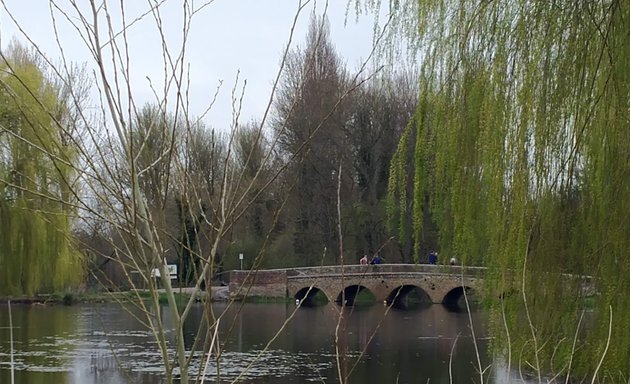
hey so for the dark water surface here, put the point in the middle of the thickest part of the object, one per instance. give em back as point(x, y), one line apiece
point(103, 343)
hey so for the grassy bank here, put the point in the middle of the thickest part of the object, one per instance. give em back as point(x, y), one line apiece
point(71, 298)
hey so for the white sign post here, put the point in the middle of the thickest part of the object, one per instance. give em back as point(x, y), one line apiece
point(240, 256)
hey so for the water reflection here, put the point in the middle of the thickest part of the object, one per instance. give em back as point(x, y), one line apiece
point(105, 344)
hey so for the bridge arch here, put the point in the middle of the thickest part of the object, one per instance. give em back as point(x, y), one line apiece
point(350, 293)
point(455, 300)
point(328, 282)
point(311, 296)
point(408, 296)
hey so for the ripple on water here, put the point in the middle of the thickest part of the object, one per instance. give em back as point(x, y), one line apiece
point(97, 350)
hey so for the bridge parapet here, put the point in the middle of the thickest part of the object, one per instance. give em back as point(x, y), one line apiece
point(385, 268)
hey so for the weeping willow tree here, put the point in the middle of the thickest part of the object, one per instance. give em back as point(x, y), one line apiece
point(520, 153)
point(35, 171)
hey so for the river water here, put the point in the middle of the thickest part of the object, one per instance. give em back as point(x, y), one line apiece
point(103, 343)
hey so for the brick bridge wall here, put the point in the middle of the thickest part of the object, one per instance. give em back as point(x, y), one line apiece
point(269, 283)
point(382, 280)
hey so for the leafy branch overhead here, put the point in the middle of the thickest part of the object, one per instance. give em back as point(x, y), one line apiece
point(519, 155)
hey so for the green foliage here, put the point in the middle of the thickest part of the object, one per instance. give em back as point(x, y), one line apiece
point(36, 254)
point(68, 299)
point(522, 148)
point(364, 298)
point(397, 191)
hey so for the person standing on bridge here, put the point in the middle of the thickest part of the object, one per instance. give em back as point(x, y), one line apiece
point(433, 256)
point(376, 260)
point(364, 260)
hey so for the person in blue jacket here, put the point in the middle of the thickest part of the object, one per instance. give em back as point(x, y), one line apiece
point(376, 260)
point(433, 257)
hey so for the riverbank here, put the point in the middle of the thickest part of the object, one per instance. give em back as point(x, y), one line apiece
point(217, 294)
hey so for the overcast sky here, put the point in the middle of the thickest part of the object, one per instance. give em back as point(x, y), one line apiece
point(226, 37)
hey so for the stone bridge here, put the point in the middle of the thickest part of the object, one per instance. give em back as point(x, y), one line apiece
point(391, 283)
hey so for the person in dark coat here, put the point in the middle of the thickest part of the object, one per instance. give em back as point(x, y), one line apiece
point(432, 257)
point(376, 260)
